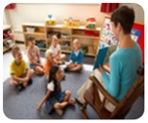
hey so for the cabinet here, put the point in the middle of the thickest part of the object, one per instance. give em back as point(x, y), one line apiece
point(89, 38)
point(38, 31)
point(8, 38)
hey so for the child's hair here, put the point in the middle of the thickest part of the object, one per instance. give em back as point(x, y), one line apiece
point(77, 41)
point(15, 50)
point(54, 37)
point(30, 38)
point(125, 16)
point(52, 75)
point(48, 52)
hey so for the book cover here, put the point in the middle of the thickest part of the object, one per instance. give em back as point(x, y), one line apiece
point(103, 55)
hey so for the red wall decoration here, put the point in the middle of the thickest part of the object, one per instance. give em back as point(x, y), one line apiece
point(140, 26)
point(10, 6)
point(109, 7)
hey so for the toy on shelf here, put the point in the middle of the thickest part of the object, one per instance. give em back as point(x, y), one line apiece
point(8, 34)
point(70, 22)
point(76, 23)
point(41, 43)
point(65, 45)
point(84, 49)
point(91, 23)
point(50, 20)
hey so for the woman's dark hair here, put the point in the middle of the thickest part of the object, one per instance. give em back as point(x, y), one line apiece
point(52, 75)
point(125, 16)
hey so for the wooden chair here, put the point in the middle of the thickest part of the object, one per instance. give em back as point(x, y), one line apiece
point(122, 108)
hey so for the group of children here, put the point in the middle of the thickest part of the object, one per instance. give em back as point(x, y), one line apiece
point(21, 75)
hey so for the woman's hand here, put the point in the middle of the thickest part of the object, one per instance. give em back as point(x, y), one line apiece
point(101, 69)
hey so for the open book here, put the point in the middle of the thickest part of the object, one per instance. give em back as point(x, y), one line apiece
point(103, 55)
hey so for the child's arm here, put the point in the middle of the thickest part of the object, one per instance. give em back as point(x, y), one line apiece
point(58, 55)
point(14, 77)
point(33, 62)
point(38, 55)
point(31, 58)
point(71, 57)
point(41, 64)
point(80, 59)
point(44, 99)
point(24, 78)
point(59, 52)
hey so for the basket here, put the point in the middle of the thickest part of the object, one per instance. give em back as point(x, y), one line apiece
point(30, 29)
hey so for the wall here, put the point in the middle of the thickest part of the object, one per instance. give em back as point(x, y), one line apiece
point(139, 12)
point(38, 12)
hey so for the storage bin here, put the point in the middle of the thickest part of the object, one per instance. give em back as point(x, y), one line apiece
point(30, 29)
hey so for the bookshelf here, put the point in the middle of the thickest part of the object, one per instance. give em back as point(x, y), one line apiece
point(87, 37)
point(8, 39)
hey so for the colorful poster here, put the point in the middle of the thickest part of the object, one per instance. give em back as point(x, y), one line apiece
point(135, 34)
point(107, 37)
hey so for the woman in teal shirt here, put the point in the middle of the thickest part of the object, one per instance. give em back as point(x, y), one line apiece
point(125, 61)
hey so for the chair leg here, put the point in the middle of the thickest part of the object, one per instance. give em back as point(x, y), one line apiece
point(82, 109)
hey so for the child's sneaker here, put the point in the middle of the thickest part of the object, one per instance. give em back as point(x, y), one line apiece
point(61, 63)
point(30, 81)
point(19, 87)
point(59, 111)
point(71, 102)
point(67, 70)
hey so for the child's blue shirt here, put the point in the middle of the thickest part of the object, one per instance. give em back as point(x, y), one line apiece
point(76, 58)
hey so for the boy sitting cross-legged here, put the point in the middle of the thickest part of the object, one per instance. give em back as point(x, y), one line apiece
point(20, 74)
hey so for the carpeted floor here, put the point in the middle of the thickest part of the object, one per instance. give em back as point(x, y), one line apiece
point(23, 105)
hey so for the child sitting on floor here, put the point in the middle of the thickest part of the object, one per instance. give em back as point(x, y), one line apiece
point(20, 74)
point(76, 58)
point(55, 47)
point(33, 54)
point(48, 63)
point(55, 98)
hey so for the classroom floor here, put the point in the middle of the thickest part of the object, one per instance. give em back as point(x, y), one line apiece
point(73, 82)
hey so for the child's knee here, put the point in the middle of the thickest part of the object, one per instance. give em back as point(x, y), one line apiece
point(13, 82)
point(63, 56)
point(31, 71)
point(79, 66)
point(57, 106)
point(39, 70)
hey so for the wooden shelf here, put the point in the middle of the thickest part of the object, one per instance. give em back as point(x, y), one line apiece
point(35, 33)
point(34, 24)
point(5, 39)
point(7, 42)
point(5, 49)
point(83, 36)
point(5, 27)
point(90, 54)
point(43, 30)
point(42, 48)
point(84, 28)
point(62, 39)
point(66, 51)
